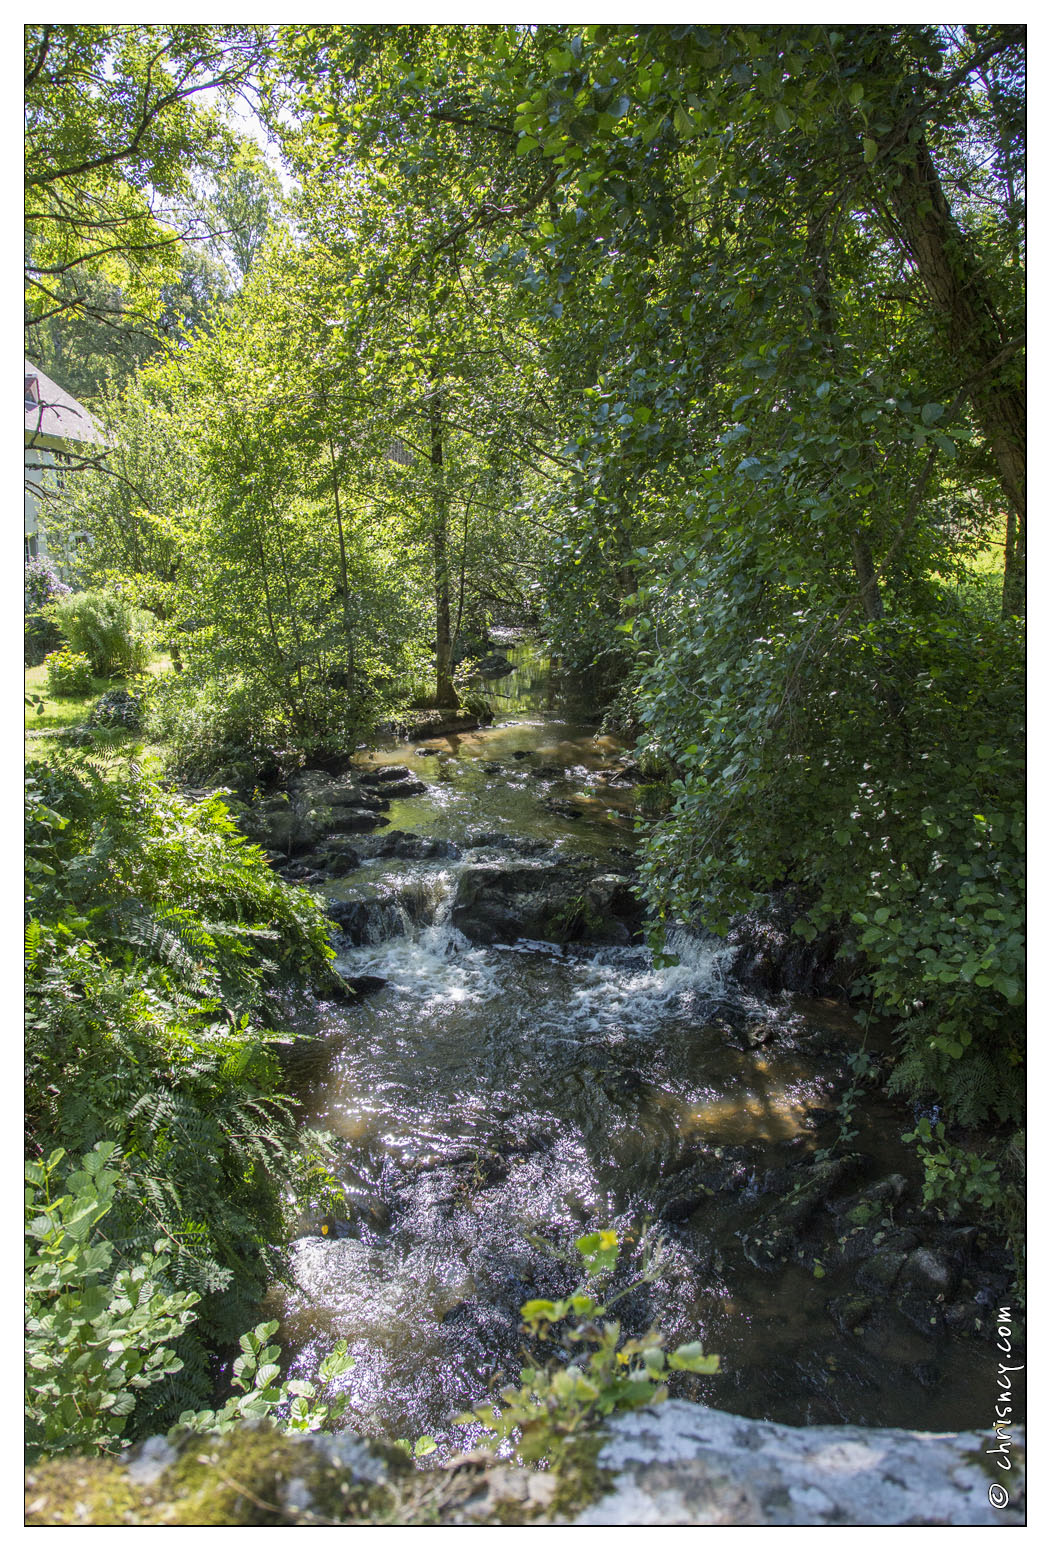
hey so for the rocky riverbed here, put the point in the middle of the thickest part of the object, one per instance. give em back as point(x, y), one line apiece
point(517, 1070)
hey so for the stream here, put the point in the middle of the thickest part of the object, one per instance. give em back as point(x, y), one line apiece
point(492, 1101)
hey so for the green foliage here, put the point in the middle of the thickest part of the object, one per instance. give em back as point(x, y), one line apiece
point(42, 585)
point(863, 1071)
point(245, 199)
point(118, 709)
point(983, 1182)
point(555, 1405)
point(953, 1177)
point(318, 1191)
point(112, 635)
point(885, 782)
point(213, 726)
point(137, 510)
point(96, 1336)
point(154, 933)
point(293, 1405)
point(68, 674)
point(418, 1449)
point(113, 129)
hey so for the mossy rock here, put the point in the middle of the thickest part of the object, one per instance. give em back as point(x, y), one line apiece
point(255, 1477)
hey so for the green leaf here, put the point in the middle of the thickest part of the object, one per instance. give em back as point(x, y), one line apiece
point(337, 1362)
point(599, 1251)
point(691, 1358)
point(542, 1309)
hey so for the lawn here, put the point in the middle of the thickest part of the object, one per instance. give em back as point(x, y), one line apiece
point(58, 714)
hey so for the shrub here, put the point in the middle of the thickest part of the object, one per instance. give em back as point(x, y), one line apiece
point(555, 1404)
point(108, 631)
point(881, 777)
point(155, 932)
point(68, 674)
point(296, 1401)
point(96, 1338)
point(42, 586)
point(213, 726)
point(118, 708)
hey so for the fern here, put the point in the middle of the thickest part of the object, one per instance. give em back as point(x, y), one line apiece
point(986, 1084)
point(154, 931)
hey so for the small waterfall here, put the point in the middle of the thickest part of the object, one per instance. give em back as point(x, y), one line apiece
point(397, 905)
point(623, 985)
point(405, 937)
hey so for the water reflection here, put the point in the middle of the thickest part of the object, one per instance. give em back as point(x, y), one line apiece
point(488, 1098)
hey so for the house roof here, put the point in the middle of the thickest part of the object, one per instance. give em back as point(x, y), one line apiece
point(51, 411)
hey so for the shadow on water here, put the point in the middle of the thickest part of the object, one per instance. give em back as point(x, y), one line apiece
point(489, 1101)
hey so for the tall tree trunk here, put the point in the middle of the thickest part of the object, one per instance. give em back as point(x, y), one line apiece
point(868, 581)
point(343, 582)
point(446, 694)
point(463, 569)
point(955, 281)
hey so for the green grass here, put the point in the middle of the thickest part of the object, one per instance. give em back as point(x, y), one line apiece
point(990, 560)
point(69, 711)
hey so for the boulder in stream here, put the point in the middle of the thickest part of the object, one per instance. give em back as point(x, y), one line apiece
point(413, 848)
point(494, 666)
point(549, 902)
point(381, 775)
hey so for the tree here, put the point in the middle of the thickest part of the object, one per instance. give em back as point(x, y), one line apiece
point(244, 202)
point(740, 254)
point(385, 182)
point(113, 132)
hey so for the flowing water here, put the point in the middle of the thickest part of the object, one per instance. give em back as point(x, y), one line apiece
point(492, 1103)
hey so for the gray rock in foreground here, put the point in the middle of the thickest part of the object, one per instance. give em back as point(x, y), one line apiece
point(673, 1464)
point(680, 1463)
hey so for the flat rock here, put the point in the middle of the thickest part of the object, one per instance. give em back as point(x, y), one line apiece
point(547, 901)
point(380, 775)
point(414, 848)
point(680, 1463)
point(672, 1464)
point(408, 788)
point(347, 821)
